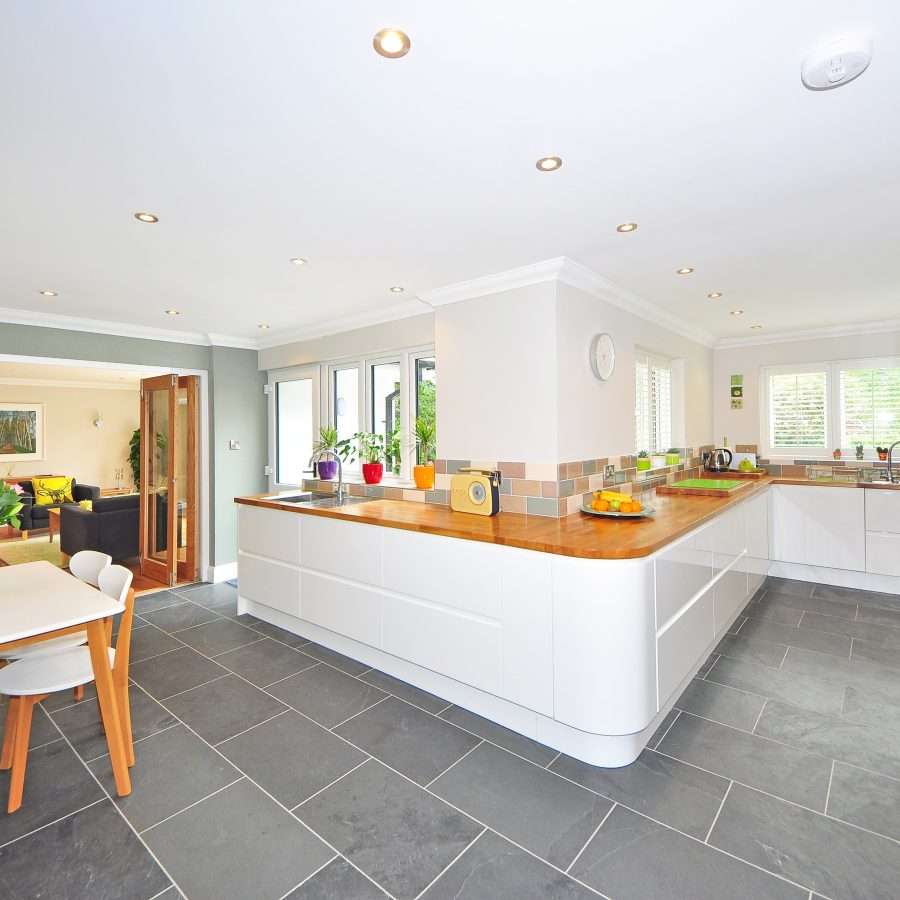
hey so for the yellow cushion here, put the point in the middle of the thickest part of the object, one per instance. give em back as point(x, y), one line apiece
point(48, 491)
point(86, 504)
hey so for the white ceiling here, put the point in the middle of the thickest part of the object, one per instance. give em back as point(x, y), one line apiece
point(262, 131)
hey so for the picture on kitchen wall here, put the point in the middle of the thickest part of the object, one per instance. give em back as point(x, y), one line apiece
point(737, 391)
point(21, 432)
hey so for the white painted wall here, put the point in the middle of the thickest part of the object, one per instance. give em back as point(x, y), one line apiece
point(72, 445)
point(743, 426)
point(597, 418)
point(497, 395)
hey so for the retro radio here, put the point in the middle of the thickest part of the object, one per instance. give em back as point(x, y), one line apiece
point(476, 491)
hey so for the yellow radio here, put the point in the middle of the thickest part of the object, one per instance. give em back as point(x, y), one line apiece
point(476, 491)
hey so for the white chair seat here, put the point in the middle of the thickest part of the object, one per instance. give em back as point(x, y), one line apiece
point(49, 672)
point(54, 645)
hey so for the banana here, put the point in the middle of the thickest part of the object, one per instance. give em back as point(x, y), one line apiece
point(615, 495)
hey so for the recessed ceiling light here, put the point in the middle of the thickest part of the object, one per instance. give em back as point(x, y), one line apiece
point(49, 293)
point(714, 295)
point(737, 312)
point(299, 261)
point(686, 270)
point(756, 327)
point(396, 289)
point(172, 312)
point(548, 163)
point(391, 43)
point(263, 326)
point(149, 218)
point(625, 227)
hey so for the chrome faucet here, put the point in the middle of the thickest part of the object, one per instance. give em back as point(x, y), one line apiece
point(317, 455)
point(891, 478)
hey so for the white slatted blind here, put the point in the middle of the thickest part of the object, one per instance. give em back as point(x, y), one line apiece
point(870, 407)
point(653, 403)
point(798, 410)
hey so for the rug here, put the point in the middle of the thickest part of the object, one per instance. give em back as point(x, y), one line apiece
point(34, 549)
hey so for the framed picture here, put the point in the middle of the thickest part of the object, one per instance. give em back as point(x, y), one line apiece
point(21, 432)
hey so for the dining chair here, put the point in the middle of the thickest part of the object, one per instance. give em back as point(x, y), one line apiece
point(29, 681)
point(88, 564)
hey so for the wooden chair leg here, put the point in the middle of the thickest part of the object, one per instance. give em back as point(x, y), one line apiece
point(78, 693)
point(9, 733)
point(20, 753)
point(125, 719)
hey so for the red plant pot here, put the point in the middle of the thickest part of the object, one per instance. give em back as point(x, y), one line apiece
point(372, 472)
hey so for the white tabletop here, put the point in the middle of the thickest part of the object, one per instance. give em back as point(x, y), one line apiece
point(39, 597)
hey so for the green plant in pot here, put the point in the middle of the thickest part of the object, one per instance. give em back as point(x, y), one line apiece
point(368, 447)
point(326, 469)
point(134, 454)
point(882, 453)
point(426, 439)
point(860, 451)
point(643, 461)
point(673, 456)
point(10, 506)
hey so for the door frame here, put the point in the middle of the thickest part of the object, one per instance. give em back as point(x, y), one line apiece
point(294, 373)
point(205, 500)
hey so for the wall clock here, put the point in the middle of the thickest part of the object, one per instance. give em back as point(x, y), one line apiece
point(603, 356)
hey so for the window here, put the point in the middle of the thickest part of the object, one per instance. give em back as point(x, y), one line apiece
point(385, 411)
point(345, 404)
point(426, 393)
point(653, 403)
point(294, 422)
point(808, 411)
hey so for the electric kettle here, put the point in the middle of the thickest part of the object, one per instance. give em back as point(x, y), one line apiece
point(718, 460)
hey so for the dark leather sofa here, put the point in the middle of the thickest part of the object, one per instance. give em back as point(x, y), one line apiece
point(111, 527)
point(34, 516)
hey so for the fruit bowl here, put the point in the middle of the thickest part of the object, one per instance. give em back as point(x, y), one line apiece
point(646, 512)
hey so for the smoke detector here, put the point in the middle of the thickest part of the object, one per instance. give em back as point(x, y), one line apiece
point(836, 62)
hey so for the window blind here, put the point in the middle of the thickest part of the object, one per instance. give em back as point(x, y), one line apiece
point(653, 404)
point(798, 407)
point(870, 407)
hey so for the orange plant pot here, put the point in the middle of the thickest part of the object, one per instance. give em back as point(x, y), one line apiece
point(424, 477)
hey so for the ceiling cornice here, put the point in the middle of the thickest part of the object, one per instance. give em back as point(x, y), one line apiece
point(812, 334)
point(565, 270)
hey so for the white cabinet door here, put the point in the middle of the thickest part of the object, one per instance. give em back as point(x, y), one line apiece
point(682, 572)
point(819, 526)
point(730, 595)
point(341, 606)
point(270, 583)
point(681, 646)
point(882, 511)
point(883, 554)
point(271, 533)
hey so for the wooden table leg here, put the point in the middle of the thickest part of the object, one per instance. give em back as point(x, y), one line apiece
point(109, 707)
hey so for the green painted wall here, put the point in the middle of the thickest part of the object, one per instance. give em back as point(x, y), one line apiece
point(237, 407)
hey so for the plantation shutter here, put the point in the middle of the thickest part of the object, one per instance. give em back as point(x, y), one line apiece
point(653, 403)
point(870, 407)
point(798, 410)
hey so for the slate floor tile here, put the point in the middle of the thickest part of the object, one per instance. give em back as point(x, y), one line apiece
point(43, 731)
point(81, 724)
point(807, 638)
point(146, 603)
point(497, 734)
point(405, 691)
point(632, 858)
point(265, 661)
point(337, 881)
point(784, 771)
point(872, 652)
point(877, 615)
point(409, 740)
point(533, 807)
point(291, 757)
point(875, 747)
point(865, 799)
point(669, 791)
point(280, 634)
point(93, 854)
point(721, 704)
point(172, 770)
point(174, 672)
point(210, 595)
point(493, 868)
point(707, 665)
point(151, 641)
point(827, 856)
point(218, 637)
point(788, 586)
point(249, 847)
point(182, 615)
point(851, 595)
point(662, 728)
point(56, 784)
point(333, 658)
point(223, 708)
point(398, 834)
point(766, 653)
point(62, 699)
point(842, 608)
point(878, 635)
point(769, 607)
point(326, 695)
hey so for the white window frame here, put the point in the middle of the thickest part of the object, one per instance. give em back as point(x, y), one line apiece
point(663, 362)
point(295, 373)
point(833, 412)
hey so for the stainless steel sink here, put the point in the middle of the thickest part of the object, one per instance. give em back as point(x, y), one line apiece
point(316, 499)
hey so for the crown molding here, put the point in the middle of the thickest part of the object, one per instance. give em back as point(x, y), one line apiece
point(405, 310)
point(122, 329)
point(60, 383)
point(565, 270)
point(812, 334)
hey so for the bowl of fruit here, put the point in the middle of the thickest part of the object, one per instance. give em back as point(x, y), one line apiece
point(616, 505)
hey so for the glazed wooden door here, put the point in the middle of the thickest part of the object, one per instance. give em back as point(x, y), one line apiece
point(169, 473)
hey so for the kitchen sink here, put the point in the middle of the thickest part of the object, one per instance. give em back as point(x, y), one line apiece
point(316, 499)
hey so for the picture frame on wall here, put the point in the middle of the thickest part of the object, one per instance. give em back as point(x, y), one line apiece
point(21, 432)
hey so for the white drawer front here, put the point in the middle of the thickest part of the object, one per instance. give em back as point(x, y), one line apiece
point(681, 573)
point(269, 583)
point(347, 549)
point(883, 554)
point(731, 595)
point(348, 609)
point(883, 511)
point(269, 532)
point(682, 645)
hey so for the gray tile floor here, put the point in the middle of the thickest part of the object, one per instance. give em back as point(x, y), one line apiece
point(269, 767)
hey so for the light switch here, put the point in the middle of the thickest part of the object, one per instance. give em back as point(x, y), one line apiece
point(234, 445)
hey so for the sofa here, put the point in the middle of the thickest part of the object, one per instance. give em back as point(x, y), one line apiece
point(33, 515)
point(112, 526)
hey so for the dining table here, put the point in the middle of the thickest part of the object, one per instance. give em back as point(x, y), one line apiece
point(38, 601)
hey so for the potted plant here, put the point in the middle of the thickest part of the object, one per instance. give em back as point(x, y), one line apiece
point(860, 451)
point(328, 440)
point(837, 453)
point(643, 461)
point(426, 436)
point(673, 456)
point(369, 448)
point(10, 505)
point(882, 453)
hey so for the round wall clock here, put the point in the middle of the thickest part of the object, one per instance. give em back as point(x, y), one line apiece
point(603, 356)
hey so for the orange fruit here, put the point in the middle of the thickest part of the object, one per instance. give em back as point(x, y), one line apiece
point(636, 506)
point(626, 508)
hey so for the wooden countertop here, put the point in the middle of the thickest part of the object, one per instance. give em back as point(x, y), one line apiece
point(579, 535)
